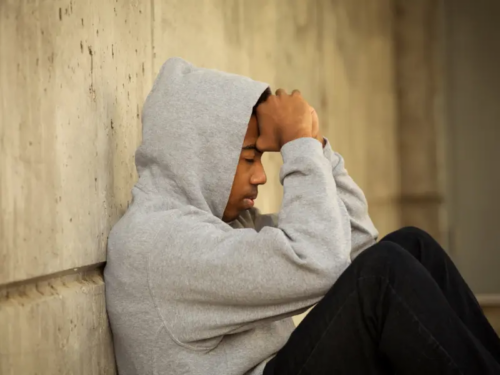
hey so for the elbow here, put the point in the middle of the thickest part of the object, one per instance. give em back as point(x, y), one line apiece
point(335, 263)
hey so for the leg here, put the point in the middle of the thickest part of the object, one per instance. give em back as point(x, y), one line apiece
point(384, 315)
point(432, 256)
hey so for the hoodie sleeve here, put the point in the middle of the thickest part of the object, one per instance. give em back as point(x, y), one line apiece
point(363, 232)
point(217, 280)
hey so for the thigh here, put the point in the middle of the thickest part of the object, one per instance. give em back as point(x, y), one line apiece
point(385, 312)
point(333, 337)
point(436, 261)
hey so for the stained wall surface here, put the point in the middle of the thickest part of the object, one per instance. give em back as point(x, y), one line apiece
point(73, 78)
point(419, 45)
point(473, 91)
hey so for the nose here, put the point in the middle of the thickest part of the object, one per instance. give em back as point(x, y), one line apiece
point(259, 176)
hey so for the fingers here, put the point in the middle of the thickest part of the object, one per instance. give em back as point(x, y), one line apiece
point(315, 120)
point(283, 118)
point(280, 92)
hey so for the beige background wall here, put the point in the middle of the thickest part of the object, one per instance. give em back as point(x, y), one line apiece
point(73, 78)
point(419, 44)
point(473, 91)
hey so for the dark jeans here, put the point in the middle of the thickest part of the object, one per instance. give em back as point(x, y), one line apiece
point(401, 308)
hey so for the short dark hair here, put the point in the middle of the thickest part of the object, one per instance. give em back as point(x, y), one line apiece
point(266, 94)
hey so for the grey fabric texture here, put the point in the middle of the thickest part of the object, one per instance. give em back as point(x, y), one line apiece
point(187, 293)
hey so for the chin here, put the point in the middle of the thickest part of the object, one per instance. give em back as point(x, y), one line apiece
point(228, 217)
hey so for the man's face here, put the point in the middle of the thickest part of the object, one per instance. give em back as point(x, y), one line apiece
point(249, 175)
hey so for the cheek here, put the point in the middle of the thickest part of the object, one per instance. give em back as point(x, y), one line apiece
point(239, 189)
point(242, 176)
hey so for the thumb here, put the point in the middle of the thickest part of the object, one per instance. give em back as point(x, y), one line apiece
point(315, 122)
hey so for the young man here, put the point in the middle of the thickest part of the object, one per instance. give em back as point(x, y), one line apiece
point(198, 282)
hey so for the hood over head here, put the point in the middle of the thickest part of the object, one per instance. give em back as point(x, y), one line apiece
point(194, 123)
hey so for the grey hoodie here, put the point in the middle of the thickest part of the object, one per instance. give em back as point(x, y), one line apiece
point(189, 294)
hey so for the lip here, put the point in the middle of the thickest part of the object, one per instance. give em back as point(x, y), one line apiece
point(250, 201)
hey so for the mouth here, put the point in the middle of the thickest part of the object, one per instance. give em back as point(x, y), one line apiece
point(249, 202)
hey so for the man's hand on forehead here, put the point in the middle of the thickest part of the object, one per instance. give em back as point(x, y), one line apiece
point(283, 118)
point(316, 133)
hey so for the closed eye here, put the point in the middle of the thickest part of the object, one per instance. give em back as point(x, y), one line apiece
point(250, 161)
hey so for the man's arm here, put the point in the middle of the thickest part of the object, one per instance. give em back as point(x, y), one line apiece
point(364, 234)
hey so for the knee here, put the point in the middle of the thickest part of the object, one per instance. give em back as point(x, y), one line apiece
point(413, 230)
point(419, 243)
point(407, 232)
point(409, 237)
point(383, 257)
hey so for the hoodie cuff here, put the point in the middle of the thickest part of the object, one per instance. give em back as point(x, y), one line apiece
point(335, 158)
point(301, 147)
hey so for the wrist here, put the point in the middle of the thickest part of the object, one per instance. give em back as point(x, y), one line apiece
point(321, 140)
point(295, 136)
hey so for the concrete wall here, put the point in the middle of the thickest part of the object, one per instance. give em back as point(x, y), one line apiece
point(419, 44)
point(340, 55)
point(73, 79)
point(473, 96)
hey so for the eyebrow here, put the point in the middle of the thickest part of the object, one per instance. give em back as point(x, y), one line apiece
point(251, 147)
